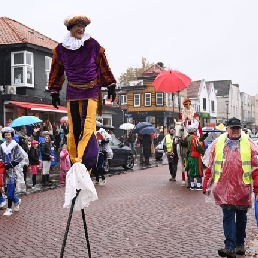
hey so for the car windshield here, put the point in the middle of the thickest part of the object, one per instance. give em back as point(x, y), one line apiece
point(212, 136)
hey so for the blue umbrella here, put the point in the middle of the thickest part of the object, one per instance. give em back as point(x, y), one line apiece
point(25, 120)
point(149, 130)
point(140, 126)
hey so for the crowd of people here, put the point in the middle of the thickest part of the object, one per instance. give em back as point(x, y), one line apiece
point(30, 149)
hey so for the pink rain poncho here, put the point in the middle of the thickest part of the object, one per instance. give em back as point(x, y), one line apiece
point(230, 188)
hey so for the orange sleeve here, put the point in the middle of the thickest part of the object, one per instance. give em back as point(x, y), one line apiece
point(106, 77)
point(56, 75)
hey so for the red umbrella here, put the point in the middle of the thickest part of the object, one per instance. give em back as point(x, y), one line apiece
point(64, 119)
point(171, 81)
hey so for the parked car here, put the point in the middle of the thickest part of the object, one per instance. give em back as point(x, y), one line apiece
point(212, 136)
point(159, 150)
point(122, 156)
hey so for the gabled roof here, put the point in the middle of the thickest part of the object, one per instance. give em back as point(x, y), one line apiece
point(154, 69)
point(13, 32)
point(222, 87)
point(193, 89)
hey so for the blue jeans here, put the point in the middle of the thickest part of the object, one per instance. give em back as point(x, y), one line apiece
point(234, 225)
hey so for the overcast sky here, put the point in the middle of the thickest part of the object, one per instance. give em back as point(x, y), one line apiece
point(205, 39)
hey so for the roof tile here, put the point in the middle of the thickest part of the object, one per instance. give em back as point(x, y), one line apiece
point(193, 89)
point(13, 32)
point(152, 70)
point(222, 87)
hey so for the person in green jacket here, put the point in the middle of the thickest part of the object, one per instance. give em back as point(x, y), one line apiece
point(194, 159)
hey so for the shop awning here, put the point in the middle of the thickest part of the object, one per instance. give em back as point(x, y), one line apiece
point(39, 107)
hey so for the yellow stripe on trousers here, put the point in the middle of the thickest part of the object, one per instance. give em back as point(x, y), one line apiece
point(89, 128)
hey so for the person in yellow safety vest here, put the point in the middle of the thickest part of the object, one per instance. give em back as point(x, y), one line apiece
point(231, 163)
point(169, 147)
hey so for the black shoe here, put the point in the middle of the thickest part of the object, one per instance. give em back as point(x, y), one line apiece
point(240, 250)
point(199, 188)
point(225, 252)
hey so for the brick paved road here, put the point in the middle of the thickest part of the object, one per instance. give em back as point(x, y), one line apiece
point(138, 215)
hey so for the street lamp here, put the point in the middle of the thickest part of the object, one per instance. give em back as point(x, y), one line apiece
point(227, 102)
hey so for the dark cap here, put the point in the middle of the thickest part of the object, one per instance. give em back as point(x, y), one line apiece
point(234, 122)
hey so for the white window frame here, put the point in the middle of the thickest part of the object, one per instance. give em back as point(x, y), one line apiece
point(47, 71)
point(159, 96)
point(134, 100)
point(169, 99)
point(26, 67)
point(175, 100)
point(147, 99)
point(123, 99)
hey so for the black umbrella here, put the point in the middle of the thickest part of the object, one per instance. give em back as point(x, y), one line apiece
point(140, 126)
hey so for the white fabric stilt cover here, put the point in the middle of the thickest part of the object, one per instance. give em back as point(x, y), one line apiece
point(79, 178)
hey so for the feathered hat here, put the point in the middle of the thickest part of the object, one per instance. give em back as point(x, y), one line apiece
point(72, 20)
point(7, 129)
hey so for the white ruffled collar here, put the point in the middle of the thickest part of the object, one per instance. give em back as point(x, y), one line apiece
point(73, 43)
point(8, 148)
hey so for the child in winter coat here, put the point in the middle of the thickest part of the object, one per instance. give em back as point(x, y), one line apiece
point(64, 164)
point(33, 155)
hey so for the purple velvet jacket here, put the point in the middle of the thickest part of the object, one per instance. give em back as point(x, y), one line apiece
point(80, 66)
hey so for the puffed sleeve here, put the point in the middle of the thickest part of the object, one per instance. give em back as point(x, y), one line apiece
point(106, 77)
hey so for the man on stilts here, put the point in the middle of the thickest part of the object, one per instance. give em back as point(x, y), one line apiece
point(83, 61)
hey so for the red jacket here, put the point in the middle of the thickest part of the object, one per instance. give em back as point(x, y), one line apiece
point(2, 173)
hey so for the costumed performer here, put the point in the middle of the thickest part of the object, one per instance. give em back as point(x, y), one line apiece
point(83, 61)
point(194, 160)
point(12, 155)
point(189, 116)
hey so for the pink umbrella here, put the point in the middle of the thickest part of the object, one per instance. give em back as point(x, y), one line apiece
point(171, 81)
point(64, 119)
